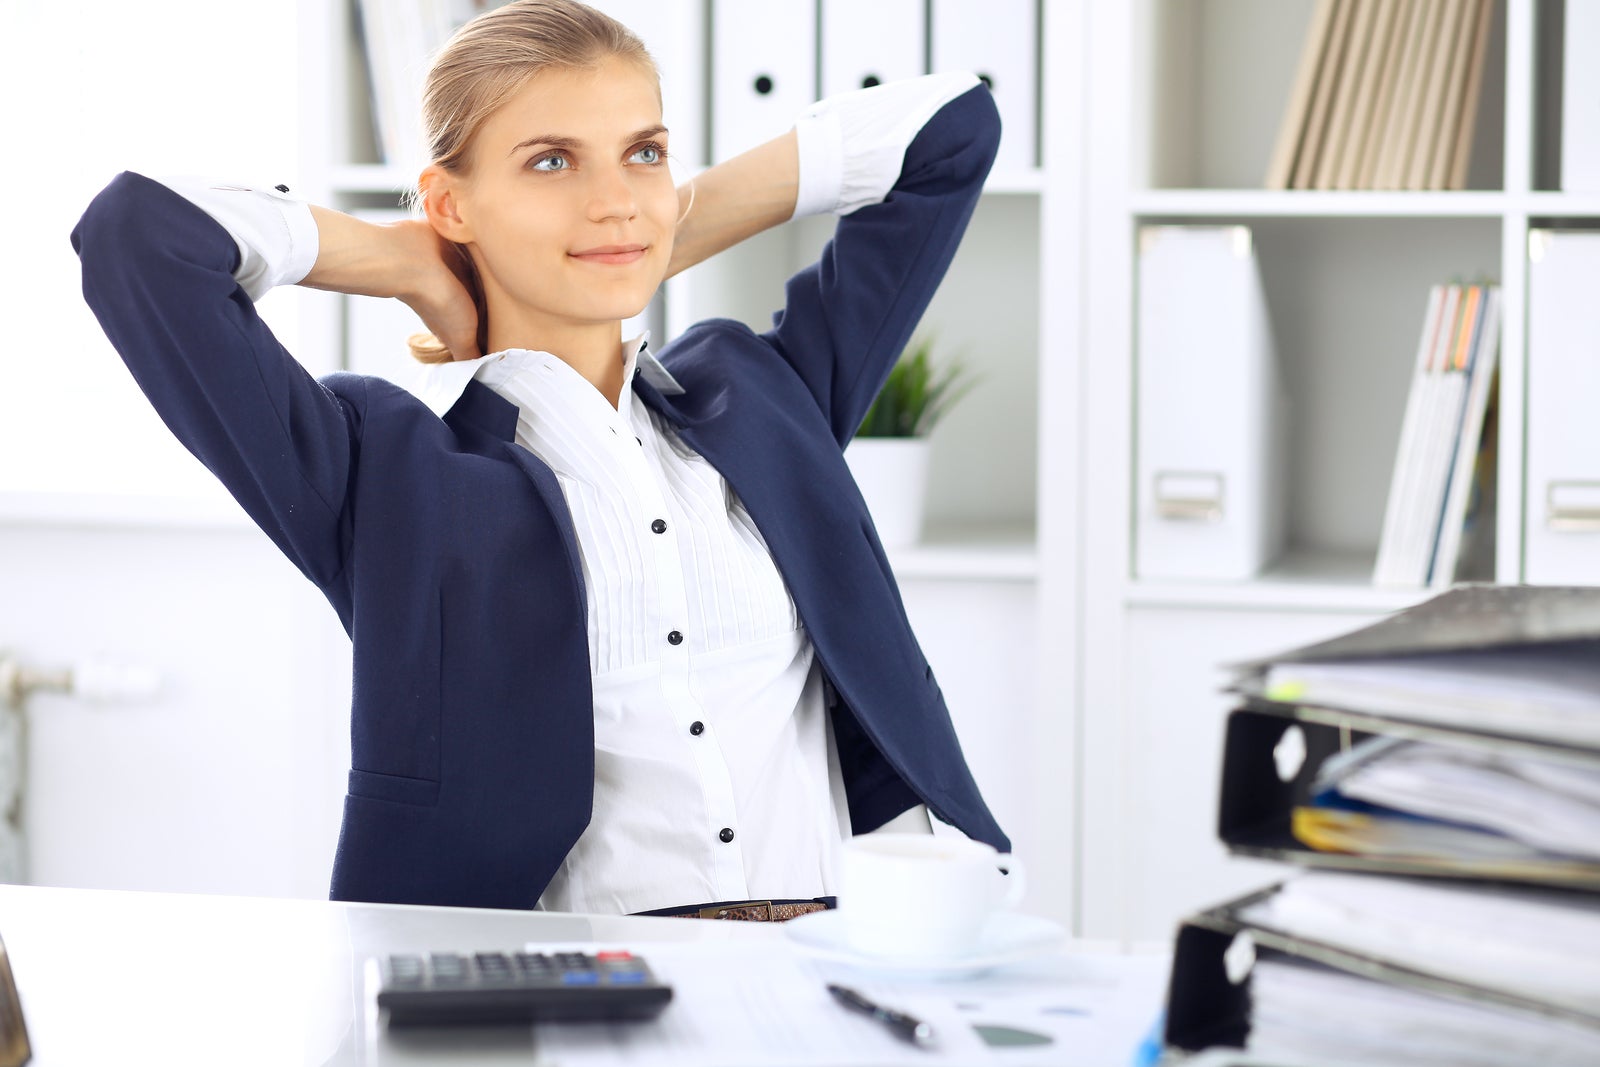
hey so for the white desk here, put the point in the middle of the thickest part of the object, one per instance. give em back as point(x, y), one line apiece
point(117, 978)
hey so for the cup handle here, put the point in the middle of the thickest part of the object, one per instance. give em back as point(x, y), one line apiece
point(1016, 879)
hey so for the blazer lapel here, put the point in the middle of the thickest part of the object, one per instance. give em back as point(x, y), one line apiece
point(486, 423)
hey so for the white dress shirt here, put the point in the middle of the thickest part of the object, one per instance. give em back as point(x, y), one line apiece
point(716, 776)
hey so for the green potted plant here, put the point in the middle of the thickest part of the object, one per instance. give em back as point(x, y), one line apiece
point(889, 455)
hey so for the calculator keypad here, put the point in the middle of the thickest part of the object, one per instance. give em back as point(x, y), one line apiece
point(445, 987)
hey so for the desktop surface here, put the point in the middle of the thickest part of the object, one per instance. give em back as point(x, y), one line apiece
point(132, 978)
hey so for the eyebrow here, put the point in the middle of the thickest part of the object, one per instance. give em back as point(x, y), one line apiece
point(572, 143)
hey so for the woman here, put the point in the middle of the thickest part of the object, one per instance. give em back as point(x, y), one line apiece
point(624, 637)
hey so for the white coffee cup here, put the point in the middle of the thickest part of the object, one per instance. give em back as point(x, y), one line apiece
point(922, 897)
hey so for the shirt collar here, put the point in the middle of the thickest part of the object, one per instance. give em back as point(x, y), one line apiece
point(440, 385)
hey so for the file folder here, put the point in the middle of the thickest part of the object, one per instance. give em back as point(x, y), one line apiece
point(863, 45)
point(763, 71)
point(1580, 98)
point(1210, 1000)
point(1439, 953)
point(1210, 437)
point(1562, 522)
point(1524, 668)
point(996, 40)
point(1260, 791)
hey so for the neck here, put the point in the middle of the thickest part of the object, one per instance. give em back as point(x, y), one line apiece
point(593, 349)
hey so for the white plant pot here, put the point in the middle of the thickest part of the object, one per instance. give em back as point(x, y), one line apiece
point(892, 473)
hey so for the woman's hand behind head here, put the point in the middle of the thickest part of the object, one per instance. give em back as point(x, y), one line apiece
point(406, 260)
point(444, 293)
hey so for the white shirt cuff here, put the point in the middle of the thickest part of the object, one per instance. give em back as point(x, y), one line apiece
point(853, 145)
point(276, 235)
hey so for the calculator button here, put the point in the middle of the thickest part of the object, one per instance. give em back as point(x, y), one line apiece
point(613, 954)
point(494, 966)
point(448, 967)
point(580, 978)
point(626, 977)
point(406, 970)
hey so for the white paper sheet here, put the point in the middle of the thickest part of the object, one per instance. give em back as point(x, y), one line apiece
point(761, 1002)
point(1537, 944)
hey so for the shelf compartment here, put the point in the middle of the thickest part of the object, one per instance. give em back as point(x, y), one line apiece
point(1215, 77)
point(1346, 336)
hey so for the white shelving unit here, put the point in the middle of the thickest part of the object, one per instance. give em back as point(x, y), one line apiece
point(1188, 96)
point(992, 586)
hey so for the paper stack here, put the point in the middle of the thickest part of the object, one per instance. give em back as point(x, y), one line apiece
point(1442, 465)
point(1385, 96)
point(1438, 774)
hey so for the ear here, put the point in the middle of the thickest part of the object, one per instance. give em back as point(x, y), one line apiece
point(442, 202)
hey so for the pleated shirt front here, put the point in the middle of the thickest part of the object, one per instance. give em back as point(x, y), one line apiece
point(716, 776)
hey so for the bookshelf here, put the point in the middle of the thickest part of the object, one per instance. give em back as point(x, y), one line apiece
point(1190, 94)
point(991, 587)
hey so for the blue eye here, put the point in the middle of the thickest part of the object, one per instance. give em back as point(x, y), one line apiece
point(648, 154)
point(557, 162)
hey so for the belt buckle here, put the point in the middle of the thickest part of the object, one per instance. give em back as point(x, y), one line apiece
point(720, 911)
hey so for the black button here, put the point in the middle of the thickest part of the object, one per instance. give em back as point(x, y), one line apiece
point(988, 82)
point(281, 188)
point(674, 638)
point(659, 526)
point(640, 440)
point(763, 84)
point(870, 81)
point(725, 836)
point(697, 728)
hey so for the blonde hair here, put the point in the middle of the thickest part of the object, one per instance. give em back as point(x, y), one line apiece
point(486, 62)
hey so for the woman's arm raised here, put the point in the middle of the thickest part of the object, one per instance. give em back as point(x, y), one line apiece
point(406, 260)
point(736, 200)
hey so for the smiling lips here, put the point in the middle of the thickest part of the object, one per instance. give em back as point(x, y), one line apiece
point(615, 255)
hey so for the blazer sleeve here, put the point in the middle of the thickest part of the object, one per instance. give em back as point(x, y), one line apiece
point(847, 317)
point(159, 274)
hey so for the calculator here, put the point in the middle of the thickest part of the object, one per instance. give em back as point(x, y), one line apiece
point(442, 988)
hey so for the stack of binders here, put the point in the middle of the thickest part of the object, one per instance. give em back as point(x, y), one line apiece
point(1435, 778)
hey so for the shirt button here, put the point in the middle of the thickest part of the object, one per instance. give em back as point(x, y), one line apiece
point(659, 526)
point(726, 835)
point(697, 728)
point(674, 638)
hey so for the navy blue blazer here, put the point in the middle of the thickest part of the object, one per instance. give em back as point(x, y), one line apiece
point(448, 550)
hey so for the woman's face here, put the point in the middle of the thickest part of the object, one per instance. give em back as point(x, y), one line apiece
point(569, 204)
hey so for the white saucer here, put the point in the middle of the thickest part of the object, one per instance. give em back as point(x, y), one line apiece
point(1007, 938)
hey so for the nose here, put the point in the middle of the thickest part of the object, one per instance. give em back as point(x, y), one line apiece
point(611, 195)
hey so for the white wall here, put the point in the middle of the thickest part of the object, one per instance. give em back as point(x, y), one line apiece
point(231, 780)
point(114, 543)
point(95, 87)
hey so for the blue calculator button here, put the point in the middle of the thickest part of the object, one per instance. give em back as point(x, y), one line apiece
point(626, 977)
point(580, 978)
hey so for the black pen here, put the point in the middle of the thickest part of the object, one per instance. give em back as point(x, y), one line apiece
point(904, 1026)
